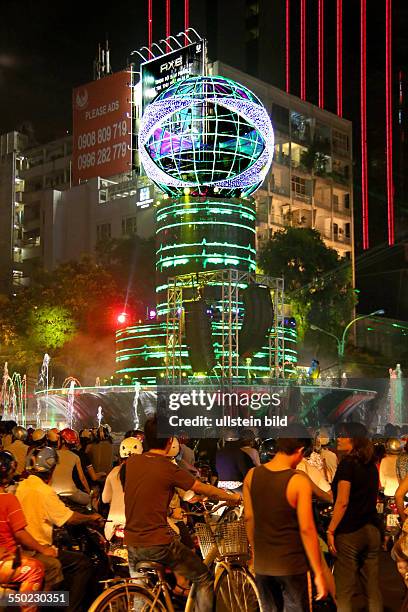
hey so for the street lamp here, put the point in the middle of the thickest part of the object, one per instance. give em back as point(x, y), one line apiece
point(341, 342)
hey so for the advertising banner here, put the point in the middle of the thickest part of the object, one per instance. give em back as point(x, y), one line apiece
point(102, 127)
point(158, 74)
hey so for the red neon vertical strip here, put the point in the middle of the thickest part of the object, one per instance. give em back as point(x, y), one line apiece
point(320, 58)
point(388, 92)
point(363, 109)
point(303, 49)
point(150, 25)
point(168, 28)
point(339, 56)
point(287, 29)
point(186, 19)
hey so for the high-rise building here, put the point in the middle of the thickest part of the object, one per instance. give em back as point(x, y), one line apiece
point(310, 183)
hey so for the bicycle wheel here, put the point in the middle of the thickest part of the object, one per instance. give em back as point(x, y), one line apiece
point(235, 589)
point(126, 598)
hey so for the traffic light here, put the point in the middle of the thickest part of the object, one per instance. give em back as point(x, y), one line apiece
point(122, 318)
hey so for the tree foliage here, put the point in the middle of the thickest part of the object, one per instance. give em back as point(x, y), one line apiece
point(317, 282)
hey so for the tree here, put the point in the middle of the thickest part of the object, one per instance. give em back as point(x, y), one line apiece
point(317, 282)
point(50, 327)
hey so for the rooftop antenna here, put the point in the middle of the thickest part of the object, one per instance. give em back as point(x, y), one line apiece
point(102, 66)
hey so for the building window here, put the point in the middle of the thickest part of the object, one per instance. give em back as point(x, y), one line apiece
point(335, 201)
point(340, 142)
point(129, 226)
point(298, 185)
point(347, 230)
point(280, 117)
point(103, 196)
point(103, 231)
point(347, 201)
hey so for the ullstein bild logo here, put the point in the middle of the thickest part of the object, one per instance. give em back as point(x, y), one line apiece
point(81, 99)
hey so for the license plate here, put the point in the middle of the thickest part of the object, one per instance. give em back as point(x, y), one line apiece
point(392, 520)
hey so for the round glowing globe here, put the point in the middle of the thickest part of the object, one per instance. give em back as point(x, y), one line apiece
point(206, 135)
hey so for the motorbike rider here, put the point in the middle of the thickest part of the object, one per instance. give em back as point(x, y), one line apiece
point(113, 491)
point(388, 467)
point(29, 573)
point(63, 477)
point(43, 510)
point(101, 450)
point(149, 484)
point(18, 448)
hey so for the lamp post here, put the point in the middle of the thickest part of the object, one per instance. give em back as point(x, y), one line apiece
point(341, 341)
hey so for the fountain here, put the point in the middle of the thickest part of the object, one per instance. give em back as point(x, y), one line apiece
point(13, 396)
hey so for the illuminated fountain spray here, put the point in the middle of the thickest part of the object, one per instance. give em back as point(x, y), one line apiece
point(13, 396)
point(99, 415)
point(71, 397)
point(43, 382)
point(8, 398)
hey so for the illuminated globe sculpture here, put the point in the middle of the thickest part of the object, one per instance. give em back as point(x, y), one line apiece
point(208, 135)
point(207, 142)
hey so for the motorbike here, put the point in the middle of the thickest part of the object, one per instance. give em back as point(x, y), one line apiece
point(87, 539)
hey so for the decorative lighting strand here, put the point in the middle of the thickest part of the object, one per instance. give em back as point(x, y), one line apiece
point(321, 52)
point(339, 57)
point(186, 19)
point(388, 88)
point(363, 110)
point(168, 27)
point(287, 57)
point(303, 49)
point(150, 25)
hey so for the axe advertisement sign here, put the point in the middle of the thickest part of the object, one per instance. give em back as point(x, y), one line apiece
point(159, 73)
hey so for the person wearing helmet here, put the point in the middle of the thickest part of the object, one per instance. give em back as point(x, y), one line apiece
point(85, 439)
point(329, 458)
point(39, 438)
point(18, 447)
point(63, 478)
point(43, 510)
point(101, 450)
point(53, 437)
point(30, 572)
point(388, 467)
point(150, 481)
point(113, 490)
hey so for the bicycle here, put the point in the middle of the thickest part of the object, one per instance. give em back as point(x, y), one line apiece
point(224, 547)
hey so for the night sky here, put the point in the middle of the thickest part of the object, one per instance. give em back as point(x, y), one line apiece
point(47, 47)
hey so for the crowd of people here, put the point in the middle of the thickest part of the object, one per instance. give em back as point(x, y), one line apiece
point(53, 478)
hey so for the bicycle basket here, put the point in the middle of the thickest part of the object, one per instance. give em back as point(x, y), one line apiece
point(231, 539)
point(206, 539)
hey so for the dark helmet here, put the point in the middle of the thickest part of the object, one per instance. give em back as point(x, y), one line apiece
point(267, 450)
point(8, 466)
point(42, 460)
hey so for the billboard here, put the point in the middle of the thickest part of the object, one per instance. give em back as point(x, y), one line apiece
point(102, 127)
point(157, 74)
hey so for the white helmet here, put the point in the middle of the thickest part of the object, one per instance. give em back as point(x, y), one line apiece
point(174, 449)
point(130, 446)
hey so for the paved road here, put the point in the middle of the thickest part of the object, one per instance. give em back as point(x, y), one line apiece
point(392, 588)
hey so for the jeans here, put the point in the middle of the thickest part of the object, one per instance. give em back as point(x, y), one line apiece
point(358, 554)
point(182, 560)
point(284, 593)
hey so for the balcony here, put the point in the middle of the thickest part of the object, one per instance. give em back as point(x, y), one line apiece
point(302, 197)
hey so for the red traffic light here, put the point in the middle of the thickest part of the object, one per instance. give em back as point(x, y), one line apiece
point(121, 318)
